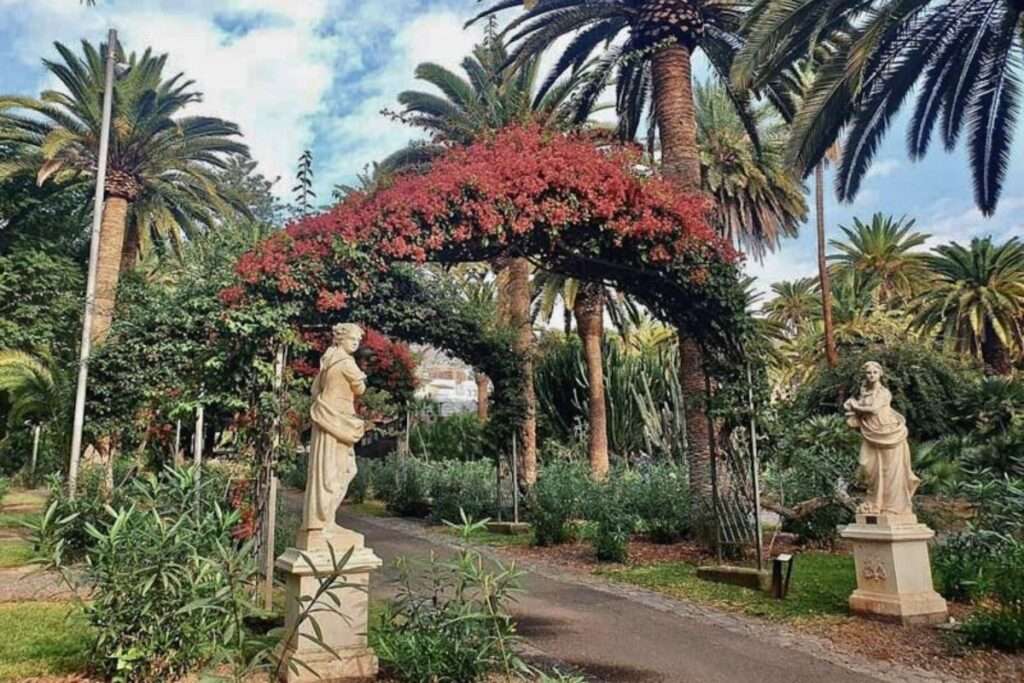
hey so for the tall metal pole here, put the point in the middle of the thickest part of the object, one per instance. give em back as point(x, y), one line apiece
point(90, 287)
point(755, 472)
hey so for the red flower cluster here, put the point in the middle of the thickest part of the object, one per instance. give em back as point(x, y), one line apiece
point(556, 192)
point(389, 362)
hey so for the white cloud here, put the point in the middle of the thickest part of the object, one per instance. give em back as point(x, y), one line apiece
point(883, 168)
point(946, 220)
point(272, 80)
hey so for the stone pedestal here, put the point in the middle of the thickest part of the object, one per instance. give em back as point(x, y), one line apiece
point(894, 576)
point(343, 628)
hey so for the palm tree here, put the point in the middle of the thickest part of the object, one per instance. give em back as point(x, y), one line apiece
point(976, 300)
point(648, 46)
point(488, 98)
point(33, 395)
point(883, 250)
point(794, 303)
point(161, 177)
point(757, 200)
point(960, 57)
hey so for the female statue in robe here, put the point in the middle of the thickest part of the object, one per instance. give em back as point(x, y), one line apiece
point(336, 430)
point(884, 452)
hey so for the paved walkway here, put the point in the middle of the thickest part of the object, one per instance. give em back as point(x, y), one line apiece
point(624, 634)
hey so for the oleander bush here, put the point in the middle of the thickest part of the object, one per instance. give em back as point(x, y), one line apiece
point(661, 502)
point(610, 510)
point(458, 487)
point(450, 621)
point(555, 500)
point(403, 483)
point(450, 437)
point(999, 620)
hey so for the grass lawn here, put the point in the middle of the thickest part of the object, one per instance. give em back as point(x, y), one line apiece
point(820, 586)
point(18, 520)
point(14, 553)
point(369, 508)
point(42, 639)
point(484, 537)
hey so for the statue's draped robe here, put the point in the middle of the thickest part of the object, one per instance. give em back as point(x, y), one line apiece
point(884, 454)
point(336, 429)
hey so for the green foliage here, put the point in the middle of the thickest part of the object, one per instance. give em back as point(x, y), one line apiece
point(661, 502)
point(610, 510)
point(451, 437)
point(962, 565)
point(462, 487)
point(1000, 623)
point(641, 388)
point(359, 488)
point(555, 500)
point(5, 485)
point(449, 622)
point(153, 562)
point(40, 298)
point(403, 483)
point(926, 386)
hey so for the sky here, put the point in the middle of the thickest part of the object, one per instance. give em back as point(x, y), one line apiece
point(315, 74)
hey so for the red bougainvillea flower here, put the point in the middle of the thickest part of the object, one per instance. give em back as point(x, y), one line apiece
point(556, 190)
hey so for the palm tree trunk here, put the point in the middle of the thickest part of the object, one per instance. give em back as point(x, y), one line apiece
point(994, 353)
point(130, 250)
point(519, 319)
point(108, 265)
point(677, 126)
point(831, 355)
point(567, 321)
point(482, 385)
point(589, 310)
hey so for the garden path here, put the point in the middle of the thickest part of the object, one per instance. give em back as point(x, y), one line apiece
point(625, 634)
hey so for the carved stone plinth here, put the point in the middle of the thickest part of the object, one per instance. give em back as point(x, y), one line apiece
point(343, 628)
point(894, 576)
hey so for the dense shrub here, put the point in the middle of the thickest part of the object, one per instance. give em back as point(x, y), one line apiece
point(451, 437)
point(292, 471)
point(661, 502)
point(163, 571)
point(449, 623)
point(5, 485)
point(613, 521)
point(926, 386)
point(403, 483)
point(817, 458)
point(462, 486)
point(555, 500)
point(962, 565)
point(359, 489)
point(999, 622)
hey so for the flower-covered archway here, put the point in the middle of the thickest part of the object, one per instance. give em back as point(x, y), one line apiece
point(554, 198)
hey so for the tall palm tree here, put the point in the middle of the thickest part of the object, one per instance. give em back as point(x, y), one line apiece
point(647, 46)
point(883, 250)
point(757, 200)
point(976, 300)
point(960, 57)
point(794, 303)
point(161, 177)
point(488, 98)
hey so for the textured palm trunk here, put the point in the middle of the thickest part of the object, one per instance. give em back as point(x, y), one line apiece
point(482, 385)
point(589, 312)
point(677, 126)
point(995, 354)
point(108, 265)
point(518, 309)
point(130, 250)
point(824, 280)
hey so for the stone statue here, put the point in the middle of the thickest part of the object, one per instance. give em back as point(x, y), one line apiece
point(336, 430)
point(884, 452)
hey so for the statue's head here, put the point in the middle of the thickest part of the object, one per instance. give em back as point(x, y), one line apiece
point(872, 372)
point(348, 336)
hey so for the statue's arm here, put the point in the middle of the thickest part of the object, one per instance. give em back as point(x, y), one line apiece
point(873, 403)
point(356, 377)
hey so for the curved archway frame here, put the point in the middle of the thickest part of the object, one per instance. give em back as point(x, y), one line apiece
point(553, 198)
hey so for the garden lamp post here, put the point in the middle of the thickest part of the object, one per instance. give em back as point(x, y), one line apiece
point(90, 287)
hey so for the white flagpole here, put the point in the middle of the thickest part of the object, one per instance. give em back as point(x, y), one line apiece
point(90, 287)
